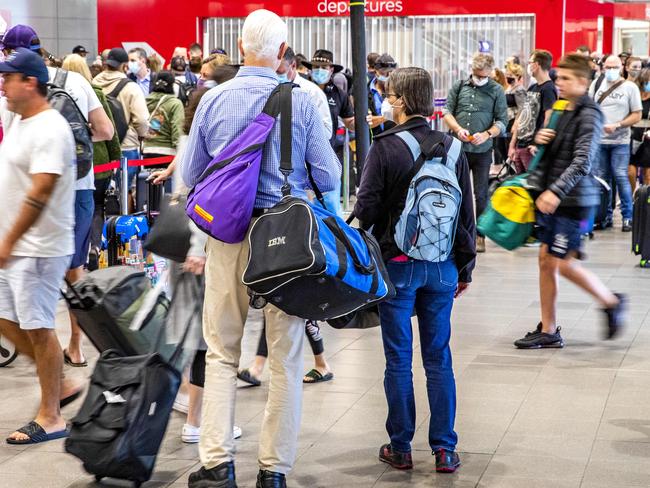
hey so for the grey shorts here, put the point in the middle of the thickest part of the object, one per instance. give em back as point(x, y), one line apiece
point(30, 289)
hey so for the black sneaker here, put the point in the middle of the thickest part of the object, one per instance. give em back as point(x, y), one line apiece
point(270, 479)
point(398, 460)
point(627, 225)
point(538, 339)
point(222, 476)
point(615, 317)
point(446, 461)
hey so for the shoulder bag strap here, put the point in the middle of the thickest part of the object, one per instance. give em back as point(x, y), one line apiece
point(162, 99)
point(286, 167)
point(609, 91)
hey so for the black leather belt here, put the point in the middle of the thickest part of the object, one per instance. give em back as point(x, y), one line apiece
point(258, 212)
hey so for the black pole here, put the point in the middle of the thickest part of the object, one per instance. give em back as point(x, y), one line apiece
point(359, 79)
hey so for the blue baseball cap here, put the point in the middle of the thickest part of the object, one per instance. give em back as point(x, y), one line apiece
point(28, 63)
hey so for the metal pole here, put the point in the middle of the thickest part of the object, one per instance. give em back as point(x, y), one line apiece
point(346, 171)
point(360, 80)
point(124, 191)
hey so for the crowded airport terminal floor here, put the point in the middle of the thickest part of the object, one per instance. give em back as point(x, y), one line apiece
point(576, 417)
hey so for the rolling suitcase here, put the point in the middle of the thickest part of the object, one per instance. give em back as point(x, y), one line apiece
point(105, 303)
point(641, 225)
point(148, 196)
point(600, 217)
point(119, 230)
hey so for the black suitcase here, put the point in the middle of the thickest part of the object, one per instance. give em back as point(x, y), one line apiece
point(122, 422)
point(641, 225)
point(148, 196)
point(106, 301)
point(600, 218)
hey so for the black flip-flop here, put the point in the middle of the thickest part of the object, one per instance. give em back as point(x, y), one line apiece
point(317, 377)
point(247, 377)
point(70, 362)
point(69, 399)
point(36, 434)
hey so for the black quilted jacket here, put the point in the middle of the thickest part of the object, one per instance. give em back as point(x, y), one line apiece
point(569, 162)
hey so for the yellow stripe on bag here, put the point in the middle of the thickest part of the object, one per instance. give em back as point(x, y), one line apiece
point(203, 213)
point(514, 203)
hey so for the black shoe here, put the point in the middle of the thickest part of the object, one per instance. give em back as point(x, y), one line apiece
point(539, 339)
point(627, 225)
point(269, 479)
point(446, 461)
point(615, 316)
point(93, 260)
point(222, 476)
point(398, 460)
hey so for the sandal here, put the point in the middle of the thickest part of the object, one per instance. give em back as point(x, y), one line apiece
point(317, 377)
point(247, 377)
point(37, 434)
point(70, 362)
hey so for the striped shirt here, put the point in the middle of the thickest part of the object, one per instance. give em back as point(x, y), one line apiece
point(225, 111)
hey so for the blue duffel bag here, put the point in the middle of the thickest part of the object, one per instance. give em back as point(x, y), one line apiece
point(309, 263)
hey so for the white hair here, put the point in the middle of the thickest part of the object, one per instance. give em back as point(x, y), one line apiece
point(263, 34)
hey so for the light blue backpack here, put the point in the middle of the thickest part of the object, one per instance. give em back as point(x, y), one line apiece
point(427, 226)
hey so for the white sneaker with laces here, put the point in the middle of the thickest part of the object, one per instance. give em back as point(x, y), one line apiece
point(191, 434)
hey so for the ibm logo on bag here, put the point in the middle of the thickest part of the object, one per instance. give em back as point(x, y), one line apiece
point(277, 241)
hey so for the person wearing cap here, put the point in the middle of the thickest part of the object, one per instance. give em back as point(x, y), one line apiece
point(114, 80)
point(322, 68)
point(138, 70)
point(166, 118)
point(80, 50)
point(37, 191)
point(377, 120)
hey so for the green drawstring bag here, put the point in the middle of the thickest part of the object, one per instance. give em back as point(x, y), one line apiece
point(510, 215)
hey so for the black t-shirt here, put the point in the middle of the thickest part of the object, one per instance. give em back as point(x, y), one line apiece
point(637, 132)
point(539, 99)
point(339, 104)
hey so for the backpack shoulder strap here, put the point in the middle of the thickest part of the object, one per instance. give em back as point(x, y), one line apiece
point(411, 142)
point(60, 77)
point(120, 85)
point(454, 153)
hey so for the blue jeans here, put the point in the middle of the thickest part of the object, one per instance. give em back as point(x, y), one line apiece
point(84, 208)
point(429, 289)
point(132, 171)
point(612, 167)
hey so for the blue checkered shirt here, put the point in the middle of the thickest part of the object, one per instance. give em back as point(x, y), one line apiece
point(225, 111)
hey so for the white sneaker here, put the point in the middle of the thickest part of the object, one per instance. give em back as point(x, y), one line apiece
point(191, 434)
point(182, 403)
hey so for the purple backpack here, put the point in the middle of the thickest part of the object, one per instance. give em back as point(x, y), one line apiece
point(221, 203)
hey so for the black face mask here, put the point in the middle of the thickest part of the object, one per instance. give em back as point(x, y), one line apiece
point(511, 81)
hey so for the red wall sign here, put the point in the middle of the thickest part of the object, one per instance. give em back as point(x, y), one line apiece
point(168, 24)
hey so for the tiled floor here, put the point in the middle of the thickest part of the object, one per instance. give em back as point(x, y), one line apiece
point(577, 417)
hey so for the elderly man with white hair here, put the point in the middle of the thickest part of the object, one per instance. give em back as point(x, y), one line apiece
point(224, 112)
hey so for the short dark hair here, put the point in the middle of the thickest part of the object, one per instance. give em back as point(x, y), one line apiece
point(543, 58)
point(289, 56)
point(142, 54)
point(41, 88)
point(415, 87)
point(578, 64)
point(584, 49)
point(299, 59)
point(195, 45)
point(371, 59)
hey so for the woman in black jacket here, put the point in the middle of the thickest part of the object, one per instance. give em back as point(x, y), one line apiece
point(426, 286)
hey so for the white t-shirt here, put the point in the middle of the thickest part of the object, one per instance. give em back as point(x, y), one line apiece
point(84, 96)
point(618, 105)
point(319, 98)
point(42, 143)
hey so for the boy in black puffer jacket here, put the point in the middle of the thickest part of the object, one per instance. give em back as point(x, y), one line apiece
point(567, 196)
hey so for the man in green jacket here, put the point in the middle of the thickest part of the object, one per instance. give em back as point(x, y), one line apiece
point(476, 112)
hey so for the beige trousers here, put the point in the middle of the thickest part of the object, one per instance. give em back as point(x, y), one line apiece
point(224, 315)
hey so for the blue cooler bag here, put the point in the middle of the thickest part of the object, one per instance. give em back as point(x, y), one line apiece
point(311, 264)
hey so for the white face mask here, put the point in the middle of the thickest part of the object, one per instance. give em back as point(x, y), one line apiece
point(134, 67)
point(479, 81)
point(529, 69)
point(387, 110)
point(612, 74)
